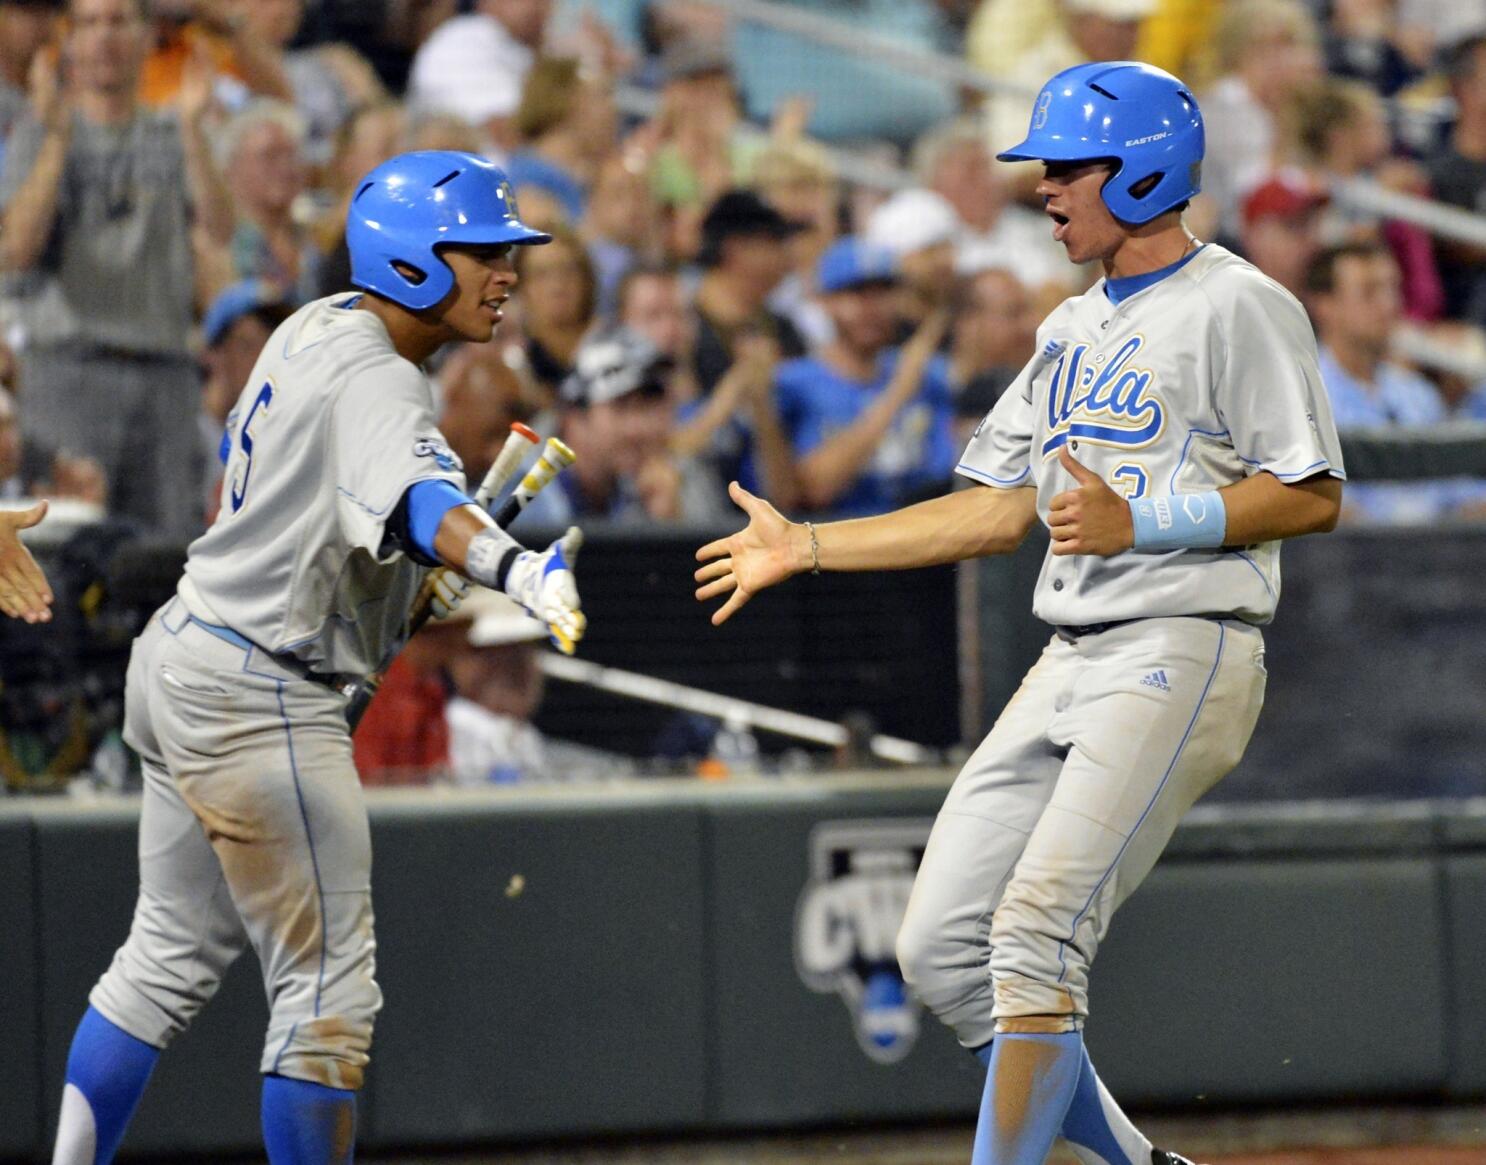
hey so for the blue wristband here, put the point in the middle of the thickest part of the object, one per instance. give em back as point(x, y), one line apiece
point(1179, 522)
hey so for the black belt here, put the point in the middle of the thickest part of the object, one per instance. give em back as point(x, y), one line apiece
point(1070, 631)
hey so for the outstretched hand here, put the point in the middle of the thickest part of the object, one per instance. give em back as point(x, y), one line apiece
point(765, 552)
point(1091, 518)
point(23, 590)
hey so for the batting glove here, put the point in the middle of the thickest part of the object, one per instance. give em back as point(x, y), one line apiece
point(449, 589)
point(543, 583)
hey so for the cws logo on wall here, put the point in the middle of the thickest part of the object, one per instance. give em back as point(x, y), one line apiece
point(846, 926)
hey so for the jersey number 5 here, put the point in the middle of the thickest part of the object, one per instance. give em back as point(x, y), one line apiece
point(245, 445)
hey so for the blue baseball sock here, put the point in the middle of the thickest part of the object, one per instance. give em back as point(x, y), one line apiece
point(107, 1070)
point(307, 1124)
point(1094, 1121)
point(1031, 1081)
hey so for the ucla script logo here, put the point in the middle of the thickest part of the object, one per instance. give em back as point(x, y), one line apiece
point(1104, 401)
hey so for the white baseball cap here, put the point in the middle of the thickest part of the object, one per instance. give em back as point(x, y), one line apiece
point(912, 220)
point(496, 620)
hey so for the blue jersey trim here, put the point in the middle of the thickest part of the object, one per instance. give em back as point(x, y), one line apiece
point(1259, 571)
point(987, 479)
point(1119, 290)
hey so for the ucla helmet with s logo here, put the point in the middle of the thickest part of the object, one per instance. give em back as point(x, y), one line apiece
point(410, 205)
point(1139, 117)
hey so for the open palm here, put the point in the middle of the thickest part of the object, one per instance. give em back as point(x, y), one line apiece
point(758, 556)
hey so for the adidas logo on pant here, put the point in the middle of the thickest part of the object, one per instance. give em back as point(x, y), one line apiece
point(1157, 679)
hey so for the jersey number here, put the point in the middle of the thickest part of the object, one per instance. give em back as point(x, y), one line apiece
point(245, 443)
point(1131, 480)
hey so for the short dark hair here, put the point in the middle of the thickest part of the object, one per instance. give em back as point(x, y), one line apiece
point(644, 270)
point(1320, 276)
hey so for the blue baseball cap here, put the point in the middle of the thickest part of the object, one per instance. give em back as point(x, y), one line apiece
point(854, 262)
point(239, 300)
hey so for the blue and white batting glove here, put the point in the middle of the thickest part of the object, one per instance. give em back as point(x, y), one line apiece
point(543, 583)
point(449, 590)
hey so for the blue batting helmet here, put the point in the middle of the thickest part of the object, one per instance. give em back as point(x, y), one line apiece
point(1139, 117)
point(412, 204)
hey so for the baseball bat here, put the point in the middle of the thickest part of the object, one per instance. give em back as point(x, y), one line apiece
point(554, 459)
point(501, 470)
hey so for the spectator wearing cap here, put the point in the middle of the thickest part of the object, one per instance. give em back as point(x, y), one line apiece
point(1055, 37)
point(1282, 228)
point(566, 124)
point(1457, 174)
point(474, 66)
point(919, 228)
point(994, 232)
point(616, 410)
point(994, 334)
point(1267, 51)
point(100, 200)
point(237, 324)
point(870, 423)
point(498, 685)
point(27, 27)
point(1354, 299)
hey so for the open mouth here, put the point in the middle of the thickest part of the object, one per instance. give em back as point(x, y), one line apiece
point(493, 306)
point(1060, 225)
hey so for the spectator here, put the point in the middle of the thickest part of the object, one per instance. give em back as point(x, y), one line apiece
point(368, 139)
point(567, 124)
point(955, 164)
point(29, 469)
point(481, 397)
point(798, 179)
point(650, 302)
point(1362, 42)
point(870, 422)
point(261, 157)
point(498, 685)
point(246, 64)
point(1266, 51)
point(920, 229)
point(1458, 175)
point(698, 153)
point(98, 217)
point(615, 408)
point(404, 738)
point(1282, 228)
point(236, 326)
point(1339, 130)
point(1456, 363)
point(27, 27)
point(995, 334)
point(474, 66)
point(1355, 301)
point(622, 224)
point(329, 81)
point(559, 298)
point(744, 257)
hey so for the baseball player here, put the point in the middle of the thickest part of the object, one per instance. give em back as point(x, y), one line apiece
point(339, 493)
point(1171, 431)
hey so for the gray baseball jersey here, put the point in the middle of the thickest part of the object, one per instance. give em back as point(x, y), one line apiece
point(329, 433)
point(1196, 382)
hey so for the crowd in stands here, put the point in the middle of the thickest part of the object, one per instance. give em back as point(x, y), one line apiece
point(726, 296)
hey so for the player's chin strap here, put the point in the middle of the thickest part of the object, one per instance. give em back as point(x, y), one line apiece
point(1179, 522)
